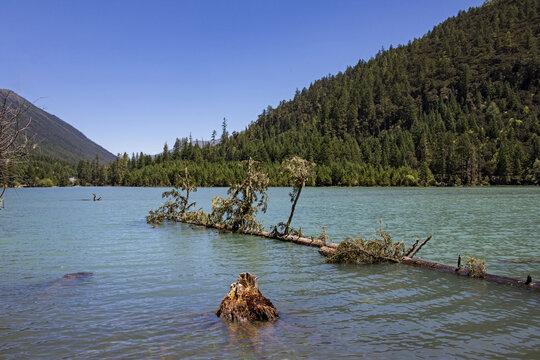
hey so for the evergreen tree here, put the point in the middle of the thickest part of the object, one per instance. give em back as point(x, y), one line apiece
point(176, 149)
point(166, 153)
point(224, 133)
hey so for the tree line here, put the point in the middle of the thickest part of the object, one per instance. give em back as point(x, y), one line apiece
point(458, 106)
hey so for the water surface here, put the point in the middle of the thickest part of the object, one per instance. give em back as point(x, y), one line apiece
point(154, 291)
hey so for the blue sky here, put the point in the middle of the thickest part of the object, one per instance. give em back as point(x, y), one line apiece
point(132, 75)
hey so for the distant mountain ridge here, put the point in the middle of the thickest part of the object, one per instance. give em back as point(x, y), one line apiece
point(55, 137)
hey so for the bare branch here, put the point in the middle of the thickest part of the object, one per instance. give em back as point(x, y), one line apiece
point(420, 246)
point(13, 142)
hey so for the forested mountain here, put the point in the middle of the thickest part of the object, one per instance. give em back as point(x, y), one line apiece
point(458, 106)
point(54, 137)
point(460, 103)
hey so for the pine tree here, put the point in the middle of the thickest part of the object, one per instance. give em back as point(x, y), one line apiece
point(224, 133)
point(166, 153)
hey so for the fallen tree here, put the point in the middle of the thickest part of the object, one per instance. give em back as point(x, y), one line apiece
point(239, 209)
point(177, 206)
point(237, 214)
point(329, 251)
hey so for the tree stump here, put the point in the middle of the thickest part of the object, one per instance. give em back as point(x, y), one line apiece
point(244, 302)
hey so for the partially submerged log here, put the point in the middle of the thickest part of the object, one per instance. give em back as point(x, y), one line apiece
point(270, 235)
point(327, 251)
point(527, 283)
point(244, 302)
point(328, 248)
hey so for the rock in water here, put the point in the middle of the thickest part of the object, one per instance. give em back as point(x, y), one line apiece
point(78, 275)
point(244, 302)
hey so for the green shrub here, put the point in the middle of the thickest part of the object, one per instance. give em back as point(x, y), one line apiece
point(47, 182)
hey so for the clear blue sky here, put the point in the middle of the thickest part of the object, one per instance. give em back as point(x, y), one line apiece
point(133, 74)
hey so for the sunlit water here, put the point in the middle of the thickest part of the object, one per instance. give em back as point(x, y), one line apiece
point(154, 291)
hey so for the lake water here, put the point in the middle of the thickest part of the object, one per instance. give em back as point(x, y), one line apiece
point(154, 291)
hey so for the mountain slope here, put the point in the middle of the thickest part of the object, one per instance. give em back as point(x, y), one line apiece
point(461, 104)
point(55, 137)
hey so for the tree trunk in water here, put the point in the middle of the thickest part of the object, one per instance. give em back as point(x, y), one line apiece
point(328, 248)
point(292, 209)
point(244, 302)
point(527, 283)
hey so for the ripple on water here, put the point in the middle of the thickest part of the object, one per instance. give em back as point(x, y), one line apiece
point(154, 291)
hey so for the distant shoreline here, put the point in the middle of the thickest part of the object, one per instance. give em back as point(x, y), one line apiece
point(322, 186)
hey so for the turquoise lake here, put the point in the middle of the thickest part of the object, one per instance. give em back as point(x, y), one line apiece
point(155, 290)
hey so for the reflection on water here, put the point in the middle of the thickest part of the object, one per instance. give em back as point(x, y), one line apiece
point(154, 291)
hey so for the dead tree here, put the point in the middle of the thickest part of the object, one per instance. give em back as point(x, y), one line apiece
point(13, 145)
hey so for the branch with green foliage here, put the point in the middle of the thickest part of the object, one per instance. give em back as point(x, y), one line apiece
point(238, 211)
point(177, 206)
point(361, 251)
point(299, 171)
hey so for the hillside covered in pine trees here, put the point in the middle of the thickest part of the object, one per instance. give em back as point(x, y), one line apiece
point(458, 106)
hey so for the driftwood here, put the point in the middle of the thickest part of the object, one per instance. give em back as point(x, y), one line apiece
point(408, 260)
point(271, 235)
point(244, 302)
point(528, 283)
point(328, 248)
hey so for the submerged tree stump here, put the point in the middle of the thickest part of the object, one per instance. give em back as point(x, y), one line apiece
point(244, 302)
point(79, 275)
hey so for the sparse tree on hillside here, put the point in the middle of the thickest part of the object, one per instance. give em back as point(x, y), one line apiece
point(176, 149)
point(165, 152)
point(225, 133)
